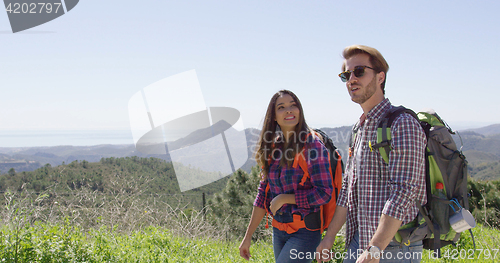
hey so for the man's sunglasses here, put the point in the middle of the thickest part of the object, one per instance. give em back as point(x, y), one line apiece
point(358, 71)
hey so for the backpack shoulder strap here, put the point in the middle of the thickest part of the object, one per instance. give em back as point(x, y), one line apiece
point(352, 138)
point(335, 157)
point(300, 160)
point(384, 132)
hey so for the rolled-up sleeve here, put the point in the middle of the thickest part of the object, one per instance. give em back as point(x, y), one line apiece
point(406, 167)
point(319, 170)
point(260, 200)
point(342, 198)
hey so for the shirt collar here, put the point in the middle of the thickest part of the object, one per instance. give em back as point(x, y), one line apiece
point(377, 111)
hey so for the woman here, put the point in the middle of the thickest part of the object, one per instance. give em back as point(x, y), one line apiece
point(292, 201)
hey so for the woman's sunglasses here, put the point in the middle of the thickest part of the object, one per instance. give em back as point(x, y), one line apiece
point(358, 71)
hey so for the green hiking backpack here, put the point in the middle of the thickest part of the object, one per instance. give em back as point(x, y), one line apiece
point(445, 167)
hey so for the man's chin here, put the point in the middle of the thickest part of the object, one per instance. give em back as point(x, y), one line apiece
point(357, 100)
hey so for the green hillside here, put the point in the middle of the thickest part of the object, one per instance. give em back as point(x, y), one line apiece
point(482, 152)
point(116, 210)
point(486, 171)
point(145, 176)
point(479, 142)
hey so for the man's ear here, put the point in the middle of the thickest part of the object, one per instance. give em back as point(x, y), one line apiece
point(380, 77)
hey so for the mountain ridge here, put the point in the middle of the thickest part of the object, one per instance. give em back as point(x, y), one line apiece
point(481, 147)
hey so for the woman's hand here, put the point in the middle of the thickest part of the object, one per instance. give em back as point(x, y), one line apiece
point(275, 204)
point(245, 248)
point(257, 215)
point(280, 200)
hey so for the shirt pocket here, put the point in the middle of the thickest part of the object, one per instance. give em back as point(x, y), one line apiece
point(291, 178)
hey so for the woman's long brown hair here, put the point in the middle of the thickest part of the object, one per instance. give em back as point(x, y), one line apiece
point(271, 139)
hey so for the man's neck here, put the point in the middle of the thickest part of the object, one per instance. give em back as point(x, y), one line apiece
point(372, 102)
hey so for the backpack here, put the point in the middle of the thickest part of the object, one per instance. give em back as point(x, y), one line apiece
point(327, 210)
point(445, 166)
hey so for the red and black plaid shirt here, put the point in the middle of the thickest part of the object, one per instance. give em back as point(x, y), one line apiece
point(286, 180)
point(371, 187)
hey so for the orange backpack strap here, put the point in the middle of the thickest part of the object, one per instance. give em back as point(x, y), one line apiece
point(322, 212)
point(267, 210)
point(300, 160)
point(338, 173)
point(292, 227)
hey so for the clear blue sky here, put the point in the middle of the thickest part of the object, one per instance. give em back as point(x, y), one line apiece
point(79, 71)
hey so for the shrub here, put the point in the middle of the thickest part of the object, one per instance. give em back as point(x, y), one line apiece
point(232, 208)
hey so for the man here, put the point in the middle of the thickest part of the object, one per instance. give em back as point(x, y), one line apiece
point(376, 198)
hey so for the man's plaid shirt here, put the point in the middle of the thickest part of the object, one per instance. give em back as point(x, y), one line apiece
point(371, 188)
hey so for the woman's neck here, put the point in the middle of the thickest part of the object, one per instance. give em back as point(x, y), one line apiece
point(287, 134)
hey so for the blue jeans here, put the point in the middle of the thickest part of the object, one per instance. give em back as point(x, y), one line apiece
point(296, 247)
point(393, 253)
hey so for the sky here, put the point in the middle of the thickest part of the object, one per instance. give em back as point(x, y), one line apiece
point(77, 73)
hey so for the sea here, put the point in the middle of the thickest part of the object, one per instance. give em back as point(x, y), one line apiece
point(35, 138)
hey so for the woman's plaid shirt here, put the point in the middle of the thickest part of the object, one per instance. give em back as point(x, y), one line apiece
point(286, 180)
point(371, 188)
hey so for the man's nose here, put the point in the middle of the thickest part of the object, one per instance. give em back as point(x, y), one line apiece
point(352, 79)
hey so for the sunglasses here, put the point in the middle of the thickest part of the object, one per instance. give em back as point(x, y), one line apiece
point(358, 71)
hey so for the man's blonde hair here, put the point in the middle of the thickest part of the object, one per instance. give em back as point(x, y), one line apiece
point(377, 61)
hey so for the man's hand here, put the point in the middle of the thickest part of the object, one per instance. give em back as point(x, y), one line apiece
point(325, 246)
point(367, 257)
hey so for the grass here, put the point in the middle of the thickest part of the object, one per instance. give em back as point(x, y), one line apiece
point(63, 242)
point(66, 243)
point(487, 248)
point(44, 228)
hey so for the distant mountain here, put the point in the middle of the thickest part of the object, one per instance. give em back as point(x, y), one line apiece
point(480, 146)
point(340, 137)
point(57, 155)
point(488, 130)
point(485, 171)
point(478, 157)
point(19, 166)
point(199, 135)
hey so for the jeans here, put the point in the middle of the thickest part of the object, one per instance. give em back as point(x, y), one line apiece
point(296, 247)
point(394, 252)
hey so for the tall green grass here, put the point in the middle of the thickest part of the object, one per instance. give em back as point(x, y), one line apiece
point(64, 242)
point(86, 227)
point(487, 247)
